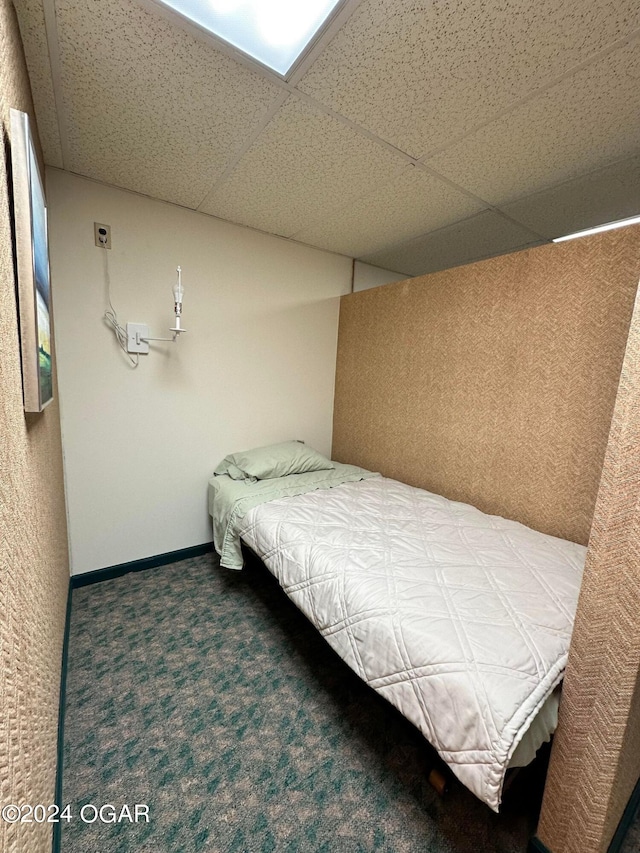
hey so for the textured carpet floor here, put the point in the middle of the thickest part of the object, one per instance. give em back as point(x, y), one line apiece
point(206, 695)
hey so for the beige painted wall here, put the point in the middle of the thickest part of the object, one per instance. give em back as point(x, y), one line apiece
point(366, 276)
point(256, 366)
point(34, 575)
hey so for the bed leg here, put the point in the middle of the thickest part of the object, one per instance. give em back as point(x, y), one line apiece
point(510, 775)
point(438, 782)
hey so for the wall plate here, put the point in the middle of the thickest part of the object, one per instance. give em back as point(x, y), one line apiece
point(136, 331)
point(102, 235)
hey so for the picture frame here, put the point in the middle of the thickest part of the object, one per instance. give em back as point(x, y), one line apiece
point(32, 257)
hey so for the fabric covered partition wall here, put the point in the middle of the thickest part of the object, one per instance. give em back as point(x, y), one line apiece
point(595, 761)
point(34, 562)
point(492, 383)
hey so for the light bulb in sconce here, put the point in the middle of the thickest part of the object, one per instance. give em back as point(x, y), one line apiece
point(178, 293)
point(138, 333)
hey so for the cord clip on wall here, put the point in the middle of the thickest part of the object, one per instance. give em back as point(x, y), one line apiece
point(138, 333)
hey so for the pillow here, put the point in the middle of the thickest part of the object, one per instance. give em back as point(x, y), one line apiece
point(275, 460)
point(235, 473)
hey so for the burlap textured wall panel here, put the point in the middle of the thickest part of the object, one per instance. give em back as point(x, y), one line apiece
point(595, 762)
point(34, 573)
point(492, 383)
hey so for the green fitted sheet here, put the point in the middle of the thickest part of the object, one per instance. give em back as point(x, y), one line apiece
point(230, 500)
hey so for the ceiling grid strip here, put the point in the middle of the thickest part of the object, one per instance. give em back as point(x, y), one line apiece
point(312, 52)
point(290, 88)
point(399, 243)
point(51, 28)
point(535, 93)
point(237, 157)
point(420, 162)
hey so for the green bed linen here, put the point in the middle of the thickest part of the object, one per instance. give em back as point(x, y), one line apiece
point(230, 500)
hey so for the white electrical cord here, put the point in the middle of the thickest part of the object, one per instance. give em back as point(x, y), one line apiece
point(111, 317)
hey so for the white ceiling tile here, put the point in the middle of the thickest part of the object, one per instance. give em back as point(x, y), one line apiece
point(604, 196)
point(418, 73)
point(153, 108)
point(478, 237)
point(149, 107)
point(303, 167)
point(583, 123)
point(413, 202)
point(34, 38)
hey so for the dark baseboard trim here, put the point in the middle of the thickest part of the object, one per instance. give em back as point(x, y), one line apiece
point(57, 827)
point(111, 572)
point(536, 846)
point(626, 820)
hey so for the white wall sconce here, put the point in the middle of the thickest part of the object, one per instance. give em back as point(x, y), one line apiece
point(138, 333)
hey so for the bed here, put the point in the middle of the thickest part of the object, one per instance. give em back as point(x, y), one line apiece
point(461, 620)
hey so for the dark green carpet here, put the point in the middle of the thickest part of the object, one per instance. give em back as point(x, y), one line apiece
point(208, 696)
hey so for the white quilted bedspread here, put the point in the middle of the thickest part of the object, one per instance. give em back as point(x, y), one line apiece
point(461, 620)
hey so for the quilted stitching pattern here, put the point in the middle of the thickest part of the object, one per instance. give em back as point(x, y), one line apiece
point(460, 619)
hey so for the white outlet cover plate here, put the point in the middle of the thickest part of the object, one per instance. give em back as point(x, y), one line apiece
point(102, 241)
point(135, 331)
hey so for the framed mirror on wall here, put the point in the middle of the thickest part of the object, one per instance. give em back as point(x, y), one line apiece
point(32, 254)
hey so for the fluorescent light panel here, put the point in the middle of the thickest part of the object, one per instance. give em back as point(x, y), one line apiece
point(275, 32)
point(608, 227)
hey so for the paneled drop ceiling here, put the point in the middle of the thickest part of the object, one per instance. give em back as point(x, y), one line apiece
point(415, 135)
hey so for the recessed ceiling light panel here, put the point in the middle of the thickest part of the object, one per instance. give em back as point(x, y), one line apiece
point(609, 226)
point(274, 32)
